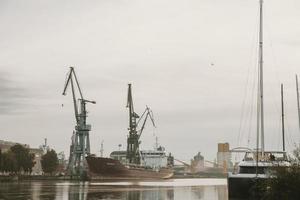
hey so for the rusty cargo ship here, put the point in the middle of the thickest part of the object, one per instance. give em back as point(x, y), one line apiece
point(132, 163)
point(108, 168)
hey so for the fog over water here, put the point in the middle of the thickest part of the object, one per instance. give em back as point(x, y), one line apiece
point(193, 62)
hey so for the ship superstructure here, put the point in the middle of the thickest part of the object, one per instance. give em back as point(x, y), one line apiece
point(156, 158)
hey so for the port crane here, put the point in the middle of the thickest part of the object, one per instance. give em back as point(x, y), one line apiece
point(147, 113)
point(80, 147)
point(182, 162)
point(133, 139)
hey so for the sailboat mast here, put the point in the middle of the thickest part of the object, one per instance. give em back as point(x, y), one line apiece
point(261, 76)
point(298, 104)
point(282, 118)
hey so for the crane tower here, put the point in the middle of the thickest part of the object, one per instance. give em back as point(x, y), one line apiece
point(80, 147)
point(133, 138)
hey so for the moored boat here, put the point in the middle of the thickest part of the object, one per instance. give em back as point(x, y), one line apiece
point(258, 165)
point(132, 163)
point(107, 168)
point(252, 170)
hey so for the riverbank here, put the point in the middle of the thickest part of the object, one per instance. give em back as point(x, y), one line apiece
point(8, 178)
point(201, 175)
point(192, 189)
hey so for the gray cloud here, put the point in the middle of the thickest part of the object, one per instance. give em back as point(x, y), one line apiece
point(14, 97)
point(188, 60)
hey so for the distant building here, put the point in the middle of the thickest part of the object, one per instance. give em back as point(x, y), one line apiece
point(62, 163)
point(45, 147)
point(5, 145)
point(37, 168)
point(224, 156)
point(197, 164)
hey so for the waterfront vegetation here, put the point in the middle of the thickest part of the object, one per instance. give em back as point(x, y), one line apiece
point(286, 184)
point(49, 162)
point(16, 160)
point(284, 187)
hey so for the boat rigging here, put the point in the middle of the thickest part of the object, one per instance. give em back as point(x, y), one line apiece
point(257, 165)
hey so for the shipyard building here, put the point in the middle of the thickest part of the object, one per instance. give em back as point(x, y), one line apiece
point(224, 156)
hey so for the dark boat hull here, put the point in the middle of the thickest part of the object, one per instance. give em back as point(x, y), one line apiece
point(244, 187)
point(107, 168)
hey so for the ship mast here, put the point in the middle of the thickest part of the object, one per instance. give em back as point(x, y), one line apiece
point(298, 104)
point(282, 119)
point(261, 82)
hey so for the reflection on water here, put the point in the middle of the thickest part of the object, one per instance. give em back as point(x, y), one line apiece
point(176, 189)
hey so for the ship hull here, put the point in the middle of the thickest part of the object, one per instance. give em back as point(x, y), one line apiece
point(106, 168)
point(245, 187)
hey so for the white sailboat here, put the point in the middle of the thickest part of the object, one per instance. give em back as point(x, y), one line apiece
point(257, 164)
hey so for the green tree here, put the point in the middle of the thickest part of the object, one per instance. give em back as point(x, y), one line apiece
point(285, 183)
point(295, 158)
point(29, 163)
point(1, 160)
point(9, 163)
point(25, 160)
point(284, 187)
point(49, 162)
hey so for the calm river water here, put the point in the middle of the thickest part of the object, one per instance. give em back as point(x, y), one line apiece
point(177, 189)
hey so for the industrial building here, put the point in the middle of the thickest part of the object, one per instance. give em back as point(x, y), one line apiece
point(224, 156)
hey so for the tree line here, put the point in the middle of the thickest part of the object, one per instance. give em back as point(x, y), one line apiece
point(18, 159)
point(285, 182)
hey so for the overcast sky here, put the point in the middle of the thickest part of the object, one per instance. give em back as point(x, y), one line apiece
point(194, 62)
